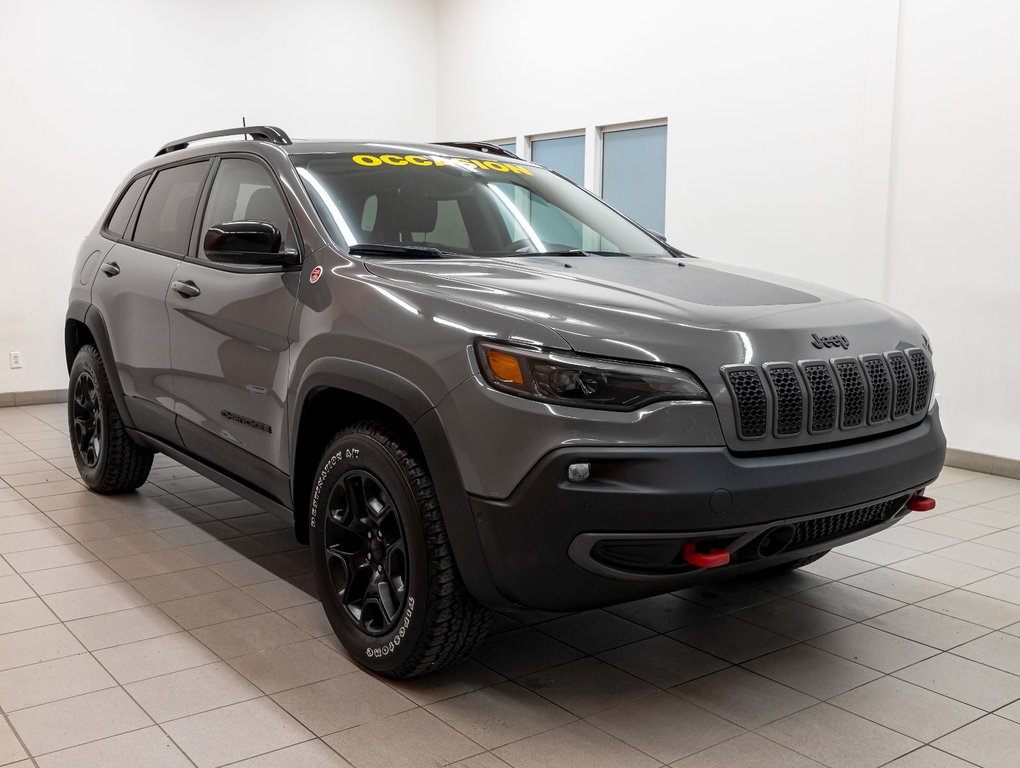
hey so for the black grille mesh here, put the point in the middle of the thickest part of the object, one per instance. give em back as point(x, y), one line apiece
point(904, 383)
point(922, 375)
point(881, 388)
point(871, 389)
point(789, 399)
point(835, 526)
point(853, 394)
point(749, 394)
point(823, 396)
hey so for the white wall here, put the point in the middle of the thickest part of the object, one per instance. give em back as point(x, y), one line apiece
point(89, 90)
point(954, 239)
point(869, 144)
point(769, 106)
point(859, 144)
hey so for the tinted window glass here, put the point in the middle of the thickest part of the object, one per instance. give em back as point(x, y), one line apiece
point(564, 156)
point(634, 174)
point(244, 191)
point(119, 218)
point(168, 211)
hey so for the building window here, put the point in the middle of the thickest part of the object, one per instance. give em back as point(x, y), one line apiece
point(564, 155)
point(509, 146)
point(634, 174)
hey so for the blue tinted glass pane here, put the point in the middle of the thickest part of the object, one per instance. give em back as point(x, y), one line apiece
point(511, 147)
point(634, 174)
point(565, 156)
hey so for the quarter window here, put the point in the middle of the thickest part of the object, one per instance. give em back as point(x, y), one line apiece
point(168, 212)
point(119, 218)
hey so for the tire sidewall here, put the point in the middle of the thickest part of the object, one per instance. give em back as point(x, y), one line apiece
point(387, 652)
point(86, 362)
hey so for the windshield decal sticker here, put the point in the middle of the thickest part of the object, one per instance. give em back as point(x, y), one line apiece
point(374, 161)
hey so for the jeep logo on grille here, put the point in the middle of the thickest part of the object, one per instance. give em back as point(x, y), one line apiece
point(829, 341)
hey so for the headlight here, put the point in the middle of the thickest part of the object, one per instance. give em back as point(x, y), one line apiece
point(565, 379)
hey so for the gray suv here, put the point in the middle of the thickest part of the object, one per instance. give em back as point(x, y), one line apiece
point(473, 385)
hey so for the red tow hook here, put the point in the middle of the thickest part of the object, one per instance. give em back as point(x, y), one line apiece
point(919, 503)
point(711, 559)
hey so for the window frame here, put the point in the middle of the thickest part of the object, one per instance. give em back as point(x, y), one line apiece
point(583, 133)
point(602, 130)
point(192, 256)
point(598, 161)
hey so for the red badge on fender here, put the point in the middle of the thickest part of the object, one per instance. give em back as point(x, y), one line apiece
point(316, 274)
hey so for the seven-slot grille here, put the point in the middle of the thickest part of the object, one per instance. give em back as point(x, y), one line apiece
point(823, 395)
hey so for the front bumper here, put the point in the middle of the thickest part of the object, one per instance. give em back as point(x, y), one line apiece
point(558, 545)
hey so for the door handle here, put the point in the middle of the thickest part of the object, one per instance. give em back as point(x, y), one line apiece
point(186, 288)
point(111, 269)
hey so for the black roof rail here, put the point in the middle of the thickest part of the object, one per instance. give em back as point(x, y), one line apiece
point(262, 132)
point(480, 146)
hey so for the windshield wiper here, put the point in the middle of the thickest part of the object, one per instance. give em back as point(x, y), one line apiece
point(571, 252)
point(415, 251)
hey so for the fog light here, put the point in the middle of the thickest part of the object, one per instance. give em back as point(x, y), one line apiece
point(578, 473)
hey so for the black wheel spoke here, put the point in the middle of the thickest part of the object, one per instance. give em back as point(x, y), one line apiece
point(87, 418)
point(387, 600)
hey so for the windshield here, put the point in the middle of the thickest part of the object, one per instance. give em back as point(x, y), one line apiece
point(497, 207)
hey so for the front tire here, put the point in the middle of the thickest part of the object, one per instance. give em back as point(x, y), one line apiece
point(382, 560)
point(107, 459)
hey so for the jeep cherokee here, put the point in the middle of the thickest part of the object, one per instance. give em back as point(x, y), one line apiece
point(472, 384)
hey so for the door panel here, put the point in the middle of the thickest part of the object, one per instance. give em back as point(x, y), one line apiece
point(130, 293)
point(230, 358)
point(229, 332)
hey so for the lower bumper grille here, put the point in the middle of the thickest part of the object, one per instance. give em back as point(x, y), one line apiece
point(822, 529)
point(663, 554)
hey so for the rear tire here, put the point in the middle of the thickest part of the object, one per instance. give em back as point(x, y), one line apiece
point(107, 459)
point(382, 560)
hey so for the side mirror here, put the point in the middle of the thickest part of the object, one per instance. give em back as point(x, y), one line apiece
point(247, 242)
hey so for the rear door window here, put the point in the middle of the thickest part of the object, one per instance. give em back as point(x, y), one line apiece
point(118, 221)
point(168, 211)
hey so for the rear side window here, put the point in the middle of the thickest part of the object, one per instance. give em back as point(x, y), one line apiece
point(168, 211)
point(119, 218)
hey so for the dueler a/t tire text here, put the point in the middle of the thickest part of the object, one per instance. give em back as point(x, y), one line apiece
point(383, 564)
point(107, 459)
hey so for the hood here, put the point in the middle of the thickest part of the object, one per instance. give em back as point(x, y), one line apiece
point(688, 312)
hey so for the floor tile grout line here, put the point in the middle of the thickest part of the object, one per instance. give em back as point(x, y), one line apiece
point(21, 741)
point(776, 595)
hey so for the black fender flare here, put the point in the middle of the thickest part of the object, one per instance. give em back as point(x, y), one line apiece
point(413, 405)
point(87, 314)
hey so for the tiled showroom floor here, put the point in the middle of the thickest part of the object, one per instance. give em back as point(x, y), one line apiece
point(178, 627)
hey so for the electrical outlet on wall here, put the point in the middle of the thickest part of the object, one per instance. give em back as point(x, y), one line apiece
point(15, 359)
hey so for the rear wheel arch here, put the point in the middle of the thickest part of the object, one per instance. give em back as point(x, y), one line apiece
point(85, 325)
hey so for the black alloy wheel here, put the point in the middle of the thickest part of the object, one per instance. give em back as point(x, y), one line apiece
point(87, 419)
point(382, 561)
point(366, 553)
point(106, 456)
